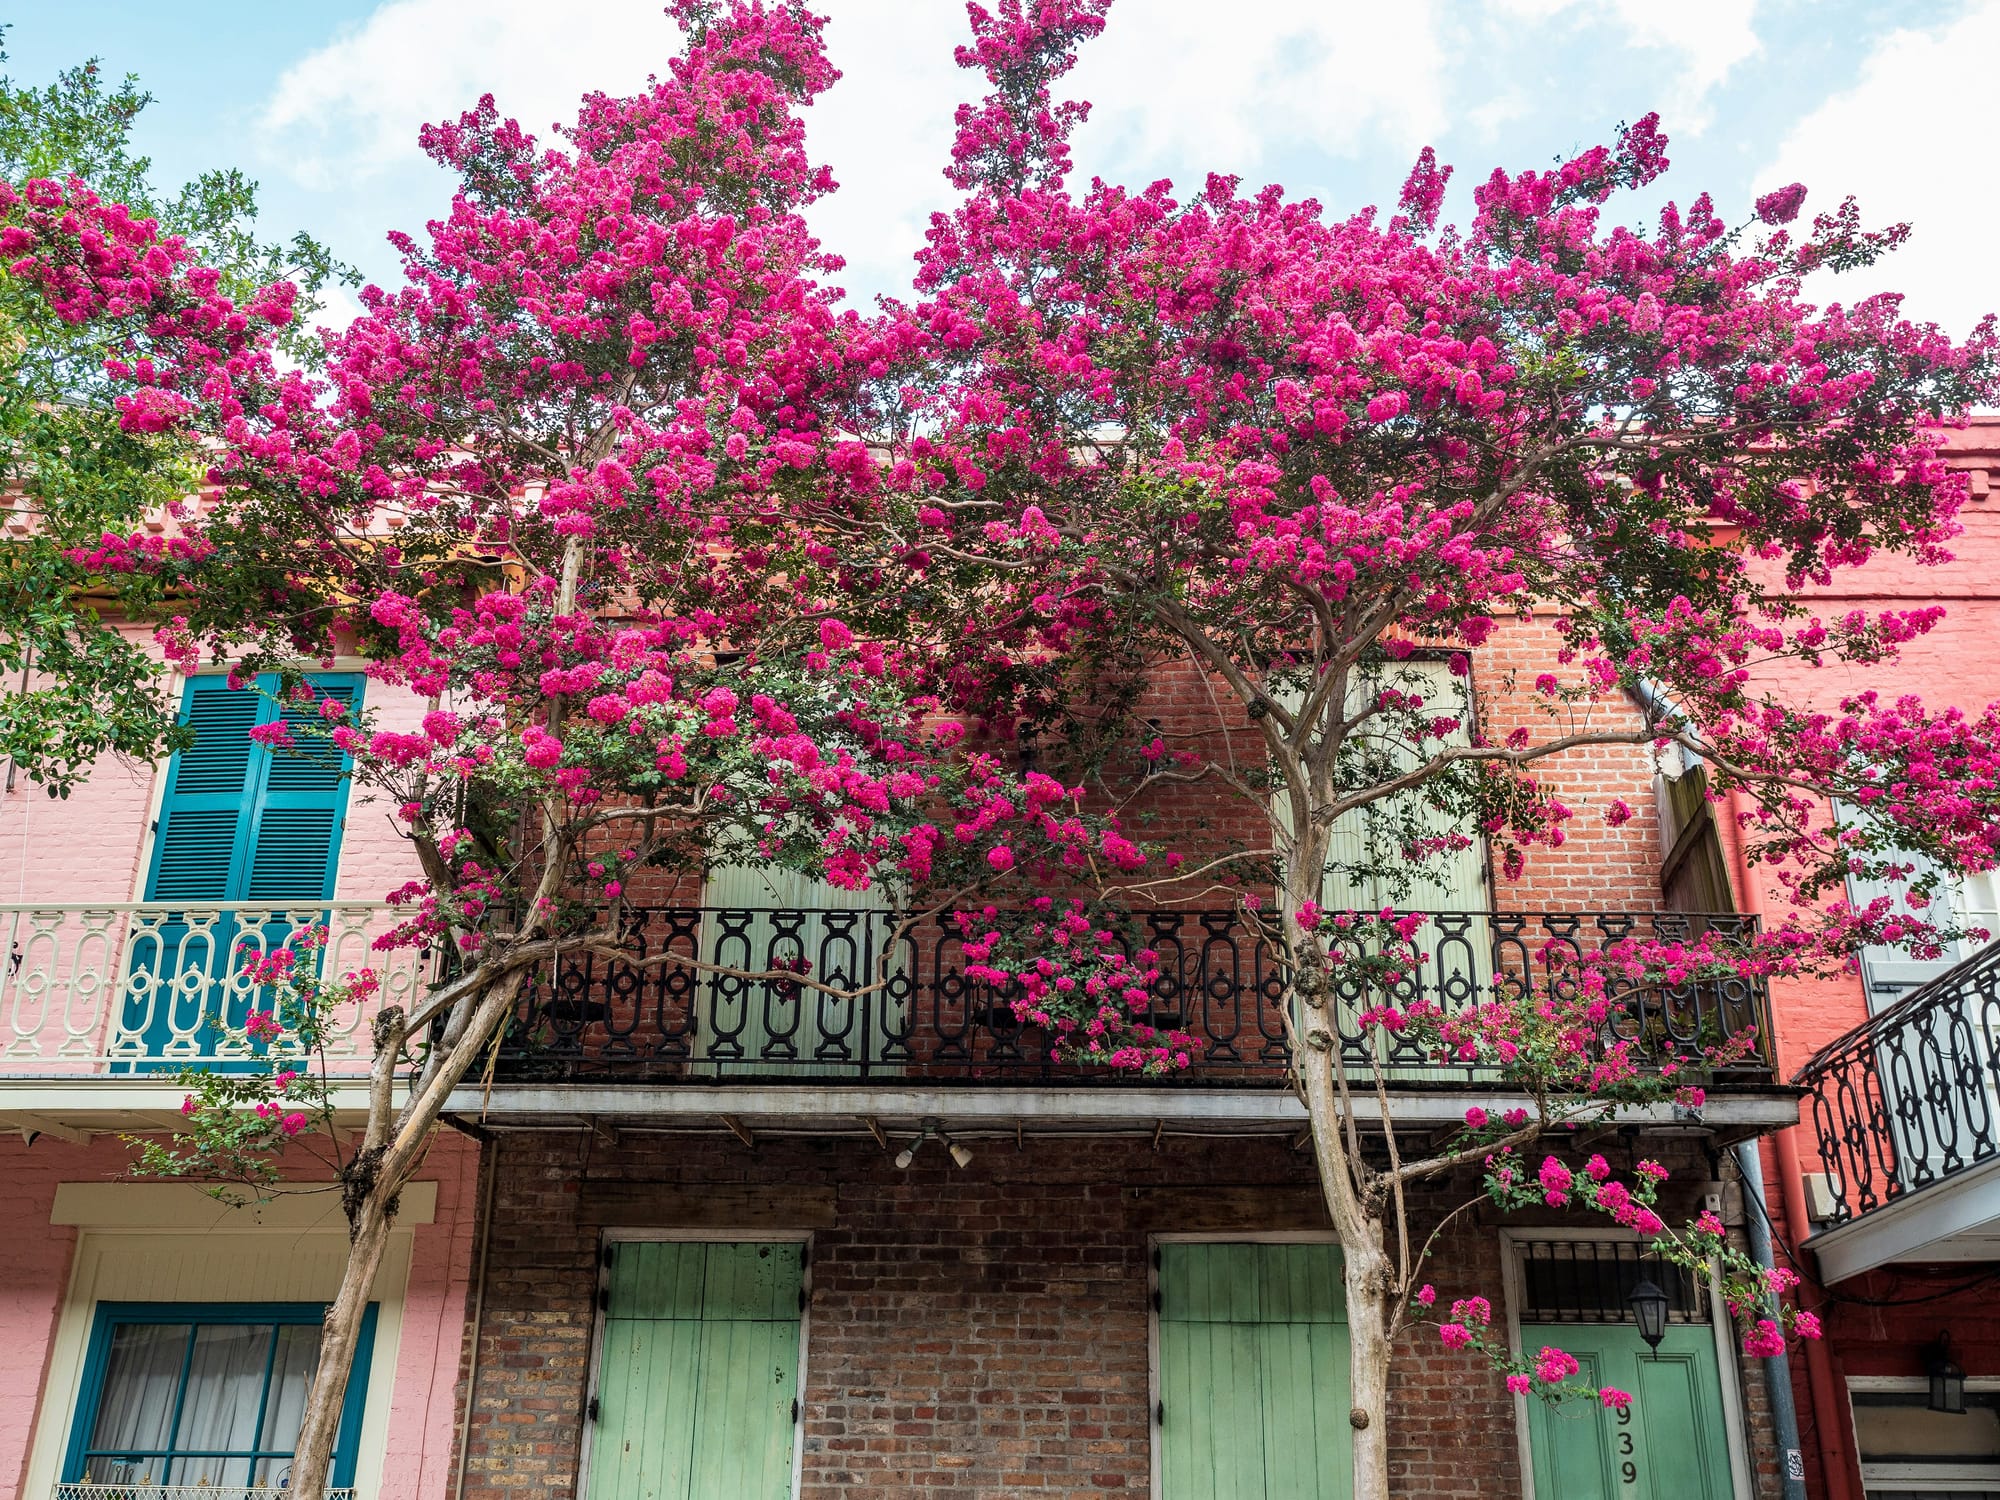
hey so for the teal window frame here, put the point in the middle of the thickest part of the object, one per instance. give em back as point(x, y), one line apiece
point(110, 1316)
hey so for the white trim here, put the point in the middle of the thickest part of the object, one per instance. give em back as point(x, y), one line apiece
point(1734, 1434)
point(615, 1236)
point(1121, 1108)
point(1920, 1476)
point(1204, 1237)
point(1917, 1228)
point(219, 1267)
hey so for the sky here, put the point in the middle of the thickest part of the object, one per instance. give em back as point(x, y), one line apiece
point(321, 100)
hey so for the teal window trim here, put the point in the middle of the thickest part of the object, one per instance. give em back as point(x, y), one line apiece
point(256, 781)
point(111, 1315)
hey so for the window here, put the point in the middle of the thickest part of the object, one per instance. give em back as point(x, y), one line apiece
point(238, 824)
point(204, 1394)
point(1909, 1452)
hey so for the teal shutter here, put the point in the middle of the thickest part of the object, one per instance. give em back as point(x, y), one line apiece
point(1253, 1351)
point(210, 802)
point(1668, 1445)
point(698, 1373)
point(237, 823)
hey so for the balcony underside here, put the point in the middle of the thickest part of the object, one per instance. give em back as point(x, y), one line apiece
point(74, 1109)
point(1957, 1220)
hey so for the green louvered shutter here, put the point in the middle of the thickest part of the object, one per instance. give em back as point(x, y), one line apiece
point(296, 839)
point(1253, 1360)
point(205, 819)
point(237, 823)
point(698, 1373)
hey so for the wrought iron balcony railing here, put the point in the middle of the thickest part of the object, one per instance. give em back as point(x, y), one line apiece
point(662, 1021)
point(125, 987)
point(68, 1491)
point(1908, 1100)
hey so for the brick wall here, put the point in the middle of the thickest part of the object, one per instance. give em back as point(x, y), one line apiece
point(977, 1332)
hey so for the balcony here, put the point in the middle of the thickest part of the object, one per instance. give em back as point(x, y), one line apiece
point(608, 1022)
point(1906, 1113)
point(181, 1492)
point(101, 1004)
point(135, 988)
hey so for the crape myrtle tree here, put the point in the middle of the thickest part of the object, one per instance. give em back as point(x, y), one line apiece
point(692, 567)
point(549, 486)
point(1293, 449)
point(65, 457)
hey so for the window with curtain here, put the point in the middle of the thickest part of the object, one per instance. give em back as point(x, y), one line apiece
point(204, 1395)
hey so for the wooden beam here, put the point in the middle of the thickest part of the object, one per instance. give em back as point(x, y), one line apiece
point(875, 1129)
point(741, 1131)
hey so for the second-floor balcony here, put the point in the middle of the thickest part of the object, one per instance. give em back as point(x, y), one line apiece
point(665, 1015)
point(1905, 1110)
point(135, 991)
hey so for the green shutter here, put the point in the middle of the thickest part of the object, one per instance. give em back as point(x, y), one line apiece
point(1670, 1444)
point(750, 1026)
point(1253, 1355)
point(237, 823)
point(698, 1374)
point(209, 801)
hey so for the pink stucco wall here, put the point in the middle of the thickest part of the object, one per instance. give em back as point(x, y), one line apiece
point(88, 846)
point(35, 1264)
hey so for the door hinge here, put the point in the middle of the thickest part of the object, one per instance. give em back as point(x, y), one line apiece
point(795, 1408)
point(608, 1251)
point(1156, 1301)
point(1160, 1413)
point(803, 1299)
point(604, 1299)
point(590, 1411)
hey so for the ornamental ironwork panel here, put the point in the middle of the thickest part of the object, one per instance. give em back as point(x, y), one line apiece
point(1908, 1100)
point(707, 994)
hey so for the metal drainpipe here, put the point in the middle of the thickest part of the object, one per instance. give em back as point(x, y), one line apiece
point(1829, 1407)
point(489, 1159)
point(1777, 1369)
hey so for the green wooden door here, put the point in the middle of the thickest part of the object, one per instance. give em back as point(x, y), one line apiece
point(1670, 1444)
point(698, 1377)
point(1253, 1373)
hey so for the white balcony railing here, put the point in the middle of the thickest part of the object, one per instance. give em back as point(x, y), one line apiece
point(138, 987)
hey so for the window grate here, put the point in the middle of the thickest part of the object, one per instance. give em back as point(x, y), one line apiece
point(1591, 1281)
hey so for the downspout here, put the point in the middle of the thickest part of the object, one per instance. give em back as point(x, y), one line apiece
point(1778, 1368)
point(1829, 1408)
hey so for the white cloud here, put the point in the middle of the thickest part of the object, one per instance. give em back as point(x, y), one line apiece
point(1177, 84)
point(1709, 37)
point(350, 111)
point(1887, 140)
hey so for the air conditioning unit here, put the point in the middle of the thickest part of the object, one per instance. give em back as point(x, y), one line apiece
point(1822, 1197)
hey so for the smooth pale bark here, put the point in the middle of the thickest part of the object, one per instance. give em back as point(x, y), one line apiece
point(391, 1152)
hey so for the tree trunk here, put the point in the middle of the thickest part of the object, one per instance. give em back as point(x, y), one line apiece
point(1367, 1275)
point(388, 1159)
point(1366, 1271)
point(312, 1464)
